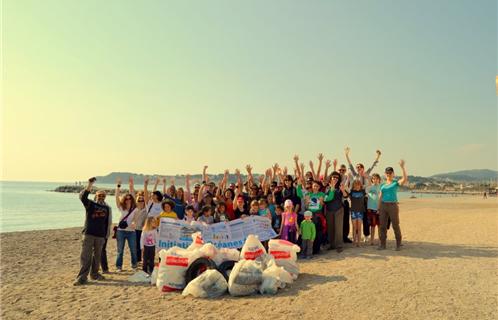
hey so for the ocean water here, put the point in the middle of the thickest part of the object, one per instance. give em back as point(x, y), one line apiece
point(31, 206)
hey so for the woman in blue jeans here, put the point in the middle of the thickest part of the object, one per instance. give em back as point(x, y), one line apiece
point(126, 227)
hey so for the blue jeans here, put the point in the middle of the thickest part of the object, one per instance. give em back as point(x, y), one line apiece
point(131, 236)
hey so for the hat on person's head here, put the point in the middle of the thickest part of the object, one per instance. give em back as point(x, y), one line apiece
point(100, 192)
point(158, 195)
point(308, 213)
point(389, 170)
point(288, 203)
point(169, 202)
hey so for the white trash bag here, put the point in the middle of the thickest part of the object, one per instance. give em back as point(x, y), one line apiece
point(245, 277)
point(252, 249)
point(210, 284)
point(197, 241)
point(285, 254)
point(153, 276)
point(173, 267)
point(226, 254)
point(274, 277)
point(139, 277)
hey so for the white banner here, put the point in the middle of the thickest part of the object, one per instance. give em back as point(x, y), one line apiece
point(230, 234)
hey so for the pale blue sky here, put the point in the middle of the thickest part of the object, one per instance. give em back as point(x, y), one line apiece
point(165, 87)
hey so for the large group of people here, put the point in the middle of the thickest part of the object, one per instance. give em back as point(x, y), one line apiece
point(312, 209)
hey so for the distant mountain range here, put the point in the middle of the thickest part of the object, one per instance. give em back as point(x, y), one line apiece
point(458, 176)
point(468, 175)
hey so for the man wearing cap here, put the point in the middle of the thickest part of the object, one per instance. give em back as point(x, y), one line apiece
point(98, 221)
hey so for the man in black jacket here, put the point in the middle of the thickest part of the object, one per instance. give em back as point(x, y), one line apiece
point(98, 222)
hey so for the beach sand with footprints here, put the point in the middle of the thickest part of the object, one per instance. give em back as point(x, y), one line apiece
point(448, 269)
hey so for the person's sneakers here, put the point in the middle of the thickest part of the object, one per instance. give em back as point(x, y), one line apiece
point(119, 270)
point(80, 282)
point(366, 239)
point(98, 277)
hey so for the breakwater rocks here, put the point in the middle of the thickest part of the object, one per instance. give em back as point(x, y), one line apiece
point(78, 189)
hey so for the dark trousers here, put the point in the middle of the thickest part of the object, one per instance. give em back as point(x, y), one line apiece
point(345, 221)
point(103, 257)
point(389, 210)
point(91, 251)
point(366, 225)
point(334, 228)
point(307, 248)
point(139, 251)
point(148, 262)
point(319, 231)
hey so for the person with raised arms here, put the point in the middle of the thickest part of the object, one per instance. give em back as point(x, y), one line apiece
point(126, 227)
point(154, 201)
point(388, 205)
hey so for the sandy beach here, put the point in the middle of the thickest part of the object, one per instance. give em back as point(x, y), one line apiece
point(448, 269)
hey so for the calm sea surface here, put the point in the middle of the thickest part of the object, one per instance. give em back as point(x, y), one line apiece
point(31, 206)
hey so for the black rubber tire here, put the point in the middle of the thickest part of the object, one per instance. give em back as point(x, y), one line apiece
point(195, 268)
point(225, 267)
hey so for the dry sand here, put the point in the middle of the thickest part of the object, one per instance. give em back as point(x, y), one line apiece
point(448, 269)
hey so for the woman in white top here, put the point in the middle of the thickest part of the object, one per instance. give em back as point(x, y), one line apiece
point(153, 201)
point(126, 227)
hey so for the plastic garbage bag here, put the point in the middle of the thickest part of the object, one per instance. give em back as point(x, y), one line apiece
point(245, 277)
point(197, 241)
point(208, 250)
point(285, 254)
point(173, 267)
point(274, 277)
point(253, 249)
point(153, 276)
point(139, 277)
point(226, 254)
point(210, 284)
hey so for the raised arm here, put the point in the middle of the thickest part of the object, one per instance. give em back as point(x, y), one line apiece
point(376, 161)
point(319, 170)
point(327, 166)
point(164, 185)
point(84, 195)
point(146, 192)
point(313, 170)
point(204, 174)
point(296, 164)
point(347, 150)
point(156, 184)
point(188, 195)
point(118, 192)
point(335, 164)
point(201, 193)
point(404, 179)
point(131, 186)
point(250, 178)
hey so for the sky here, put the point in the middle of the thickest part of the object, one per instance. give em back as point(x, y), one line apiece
point(165, 87)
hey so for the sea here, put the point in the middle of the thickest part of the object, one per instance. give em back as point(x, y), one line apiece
point(29, 206)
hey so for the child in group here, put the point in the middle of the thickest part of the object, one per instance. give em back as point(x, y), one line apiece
point(206, 216)
point(263, 209)
point(278, 218)
point(289, 228)
point(167, 206)
point(308, 234)
point(220, 214)
point(373, 202)
point(357, 196)
point(148, 244)
point(189, 213)
point(254, 208)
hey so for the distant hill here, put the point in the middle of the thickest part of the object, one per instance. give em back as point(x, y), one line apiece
point(468, 175)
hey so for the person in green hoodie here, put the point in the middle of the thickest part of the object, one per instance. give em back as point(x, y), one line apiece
point(308, 235)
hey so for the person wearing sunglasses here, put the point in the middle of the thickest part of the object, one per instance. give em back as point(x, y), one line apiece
point(388, 205)
point(98, 220)
point(334, 212)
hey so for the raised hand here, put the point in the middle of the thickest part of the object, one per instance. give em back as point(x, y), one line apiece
point(328, 164)
point(118, 180)
point(158, 180)
point(237, 172)
point(311, 164)
point(320, 157)
point(285, 171)
point(172, 181)
point(187, 177)
point(249, 168)
point(146, 180)
point(226, 173)
point(335, 163)
point(402, 163)
point(296, 158)
point(130, 180)
point(347, 150)
point(261, 178)
point(378, 153)
point(205, 168)
point(164, 180)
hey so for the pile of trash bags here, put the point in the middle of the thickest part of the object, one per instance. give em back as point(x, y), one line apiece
point(202, 270)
